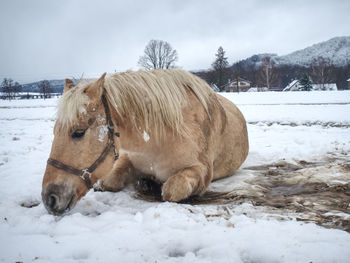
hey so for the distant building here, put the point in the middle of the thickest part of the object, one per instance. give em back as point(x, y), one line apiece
point(258, 89)
point(326, 86)
point(295, 86)
point(238, 84)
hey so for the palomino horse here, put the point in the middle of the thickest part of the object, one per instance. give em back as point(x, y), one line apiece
point(165, 124)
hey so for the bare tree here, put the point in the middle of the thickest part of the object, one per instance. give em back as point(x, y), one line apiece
point(7, 88)
point(16, 88)
point(220, 65)
point(158, 54)
point(267, 75)
point(45, 88)
point(321, 71)
point(4, 88)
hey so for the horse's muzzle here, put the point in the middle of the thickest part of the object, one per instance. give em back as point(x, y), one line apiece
point(58, 199)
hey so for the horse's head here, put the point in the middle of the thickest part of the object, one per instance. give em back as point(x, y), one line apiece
point(83, 149)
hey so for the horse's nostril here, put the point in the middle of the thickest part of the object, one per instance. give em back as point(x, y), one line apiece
point(58, 198)
point(52, 201)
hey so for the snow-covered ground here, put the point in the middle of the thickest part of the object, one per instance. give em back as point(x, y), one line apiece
point(298, 138)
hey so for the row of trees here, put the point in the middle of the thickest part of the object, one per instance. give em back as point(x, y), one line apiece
point(267, 74)
point(11, 89)
point(160, 54)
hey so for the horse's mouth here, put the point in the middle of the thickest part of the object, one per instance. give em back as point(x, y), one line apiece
point(63, 211)
point(71, 204)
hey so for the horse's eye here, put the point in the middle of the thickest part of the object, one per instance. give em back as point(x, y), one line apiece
point(78, 133)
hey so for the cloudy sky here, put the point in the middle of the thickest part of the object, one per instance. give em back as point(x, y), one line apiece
point(58, 39)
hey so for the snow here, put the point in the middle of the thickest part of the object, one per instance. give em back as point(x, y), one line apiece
point(102, 132)
point(281, 98)
point(296, 108)
point(102, 128)
point(145, 136)
point(110, 227)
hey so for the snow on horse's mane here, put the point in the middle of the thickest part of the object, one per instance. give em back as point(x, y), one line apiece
point(151, 99)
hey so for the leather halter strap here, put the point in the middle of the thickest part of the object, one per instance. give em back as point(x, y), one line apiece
point(85, 174)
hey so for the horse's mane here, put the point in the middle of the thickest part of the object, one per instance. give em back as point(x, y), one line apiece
point(154, 99)
point(148, 100)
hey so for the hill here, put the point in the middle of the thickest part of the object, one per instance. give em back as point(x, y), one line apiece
point(56, 86)
point(337, 50)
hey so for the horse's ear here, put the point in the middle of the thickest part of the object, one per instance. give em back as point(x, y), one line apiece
point(101, 80)
point(95, 90)
point(68, 84)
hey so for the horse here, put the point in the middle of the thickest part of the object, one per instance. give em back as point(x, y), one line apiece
point(165, 124)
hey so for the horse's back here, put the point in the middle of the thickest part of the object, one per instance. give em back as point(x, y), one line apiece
point(231, 143)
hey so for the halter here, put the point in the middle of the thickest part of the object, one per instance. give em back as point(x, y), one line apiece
point(85, 174)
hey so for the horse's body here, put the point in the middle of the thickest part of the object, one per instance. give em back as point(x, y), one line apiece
point(182, 138)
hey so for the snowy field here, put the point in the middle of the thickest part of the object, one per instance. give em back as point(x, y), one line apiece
point(289, 202)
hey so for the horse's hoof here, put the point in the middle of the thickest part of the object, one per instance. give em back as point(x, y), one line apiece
point(176, 188)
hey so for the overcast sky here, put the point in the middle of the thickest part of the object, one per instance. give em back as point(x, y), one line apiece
point(66, 38)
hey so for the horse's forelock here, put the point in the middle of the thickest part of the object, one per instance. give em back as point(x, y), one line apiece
point(72, 104)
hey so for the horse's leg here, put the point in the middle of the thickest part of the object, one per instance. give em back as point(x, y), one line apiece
point(190, 181)
point(115, 180)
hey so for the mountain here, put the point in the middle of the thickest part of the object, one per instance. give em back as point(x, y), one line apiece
point(336, 49)
point(56, 86)
point(253, 62)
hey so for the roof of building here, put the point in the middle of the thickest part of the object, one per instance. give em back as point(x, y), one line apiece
point(240, 79)
point(290, 85)
point(242, 83)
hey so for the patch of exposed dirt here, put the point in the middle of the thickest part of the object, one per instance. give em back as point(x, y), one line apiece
point(30, 203)
point(309, 191)
point(307, 124)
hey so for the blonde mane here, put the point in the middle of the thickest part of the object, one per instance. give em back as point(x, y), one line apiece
point(147, 100)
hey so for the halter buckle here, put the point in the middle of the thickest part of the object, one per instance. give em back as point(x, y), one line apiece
point(85, 173)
